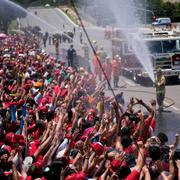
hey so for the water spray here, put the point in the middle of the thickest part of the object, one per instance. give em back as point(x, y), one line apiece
point(39, 19)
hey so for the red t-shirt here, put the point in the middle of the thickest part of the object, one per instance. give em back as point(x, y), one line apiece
point(149, 123)
point(116, 67)
point(129, 150)
point(133, 176)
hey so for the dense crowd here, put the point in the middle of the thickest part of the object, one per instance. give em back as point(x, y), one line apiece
point(56, 122)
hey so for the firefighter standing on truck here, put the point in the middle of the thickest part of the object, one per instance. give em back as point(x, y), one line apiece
point(160, 88)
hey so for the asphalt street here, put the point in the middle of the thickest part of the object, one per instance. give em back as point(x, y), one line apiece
point(53, 21)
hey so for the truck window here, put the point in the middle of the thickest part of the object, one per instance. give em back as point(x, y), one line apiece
point(154, 47)
point(170, 46)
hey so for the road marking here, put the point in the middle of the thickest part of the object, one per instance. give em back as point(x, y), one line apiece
point(175, 108)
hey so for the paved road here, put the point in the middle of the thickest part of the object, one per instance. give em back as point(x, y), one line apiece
point(53, 21)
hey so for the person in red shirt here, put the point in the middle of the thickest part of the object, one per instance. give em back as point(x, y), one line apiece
point(116, 69)
point(97, 69)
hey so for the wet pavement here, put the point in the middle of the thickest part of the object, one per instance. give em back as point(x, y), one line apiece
point(168, 121)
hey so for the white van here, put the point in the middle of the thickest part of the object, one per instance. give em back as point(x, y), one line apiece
point(162, 22)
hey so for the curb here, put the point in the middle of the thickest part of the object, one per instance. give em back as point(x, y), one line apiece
point(66, 17)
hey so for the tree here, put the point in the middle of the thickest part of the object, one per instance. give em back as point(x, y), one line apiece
point(168, 9)
point(155, 6)
point(164, 9)
point(24, 3)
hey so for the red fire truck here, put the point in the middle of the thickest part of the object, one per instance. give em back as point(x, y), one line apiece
point(163, 49)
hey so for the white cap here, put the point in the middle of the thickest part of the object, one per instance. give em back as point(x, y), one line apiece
point(6, 55)
point(21, 55)
point(81, 69)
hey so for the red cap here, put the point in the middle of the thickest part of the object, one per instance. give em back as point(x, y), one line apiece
point(97, 147)
point(8, 148)
point(76, 176)
point(43, 108)
point(31, 112)
point(14, 138)
point(22, 142)
point(33, 147)
point(38, 164)
point(64, 92)
point(1, 143)
point(115, 165)
point(26, 86)
point(7, 173)
point(86, 133)
point(18, 137)
point(9, 137)
point(91, 111)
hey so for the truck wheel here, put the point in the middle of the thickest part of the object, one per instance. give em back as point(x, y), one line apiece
point(174, 79)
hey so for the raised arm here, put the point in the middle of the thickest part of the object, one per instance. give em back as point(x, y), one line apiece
point(178, 166)
point(44, 145)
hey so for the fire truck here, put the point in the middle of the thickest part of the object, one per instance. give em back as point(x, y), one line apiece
point(163, 50)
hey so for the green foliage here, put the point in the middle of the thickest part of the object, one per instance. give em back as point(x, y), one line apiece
point(24, 3)
point(165, 9)
point(13, 25)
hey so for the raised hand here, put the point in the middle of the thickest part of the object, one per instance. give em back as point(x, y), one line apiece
point(153, 102)
point(178, 163)
point(139, 101)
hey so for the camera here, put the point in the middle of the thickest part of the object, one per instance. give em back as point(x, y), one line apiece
point(132, 117)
